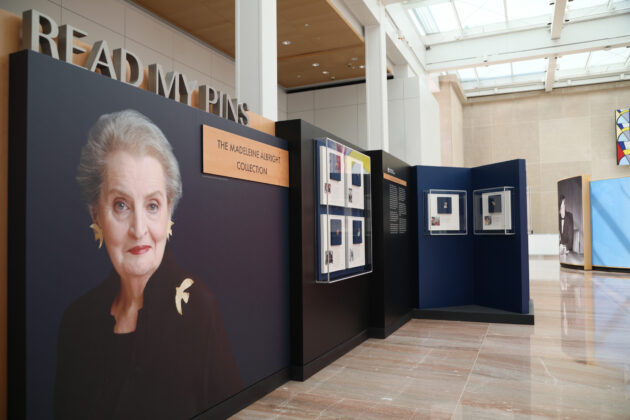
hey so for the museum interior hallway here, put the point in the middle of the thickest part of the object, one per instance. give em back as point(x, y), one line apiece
point(574, 363)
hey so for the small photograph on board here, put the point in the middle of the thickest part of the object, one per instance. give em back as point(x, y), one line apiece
point(356, 174)
point(335, 166)
point(349, 195)
point(435, 221)
point(487, 220)
point(357, 235)
point(329, 257)
point(444, 205)
point(335, 232)
point(494, 203)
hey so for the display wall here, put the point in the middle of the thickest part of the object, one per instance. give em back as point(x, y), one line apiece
point(610, 205)
point(471, 273)
point(391, 282)
point(236, 252)
point(327, 320)
point(574, 222)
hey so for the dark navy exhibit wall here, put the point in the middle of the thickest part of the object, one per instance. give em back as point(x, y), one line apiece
point(393, 251)
point(501, 261)
point(326, 318)
point(445, 262)
point(231, 234)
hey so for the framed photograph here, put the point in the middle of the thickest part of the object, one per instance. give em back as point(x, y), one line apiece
point(444, 205)
point(492, 211)
point(445, 212)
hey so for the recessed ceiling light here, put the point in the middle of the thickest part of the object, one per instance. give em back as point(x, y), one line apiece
point(286, 42)
point(362, 66)
point(325, 72)
point(306, 25)
point(315, 64)
point(354, 58)
point(299, 76)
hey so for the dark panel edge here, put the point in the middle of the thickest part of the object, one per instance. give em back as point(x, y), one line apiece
point(16, 253)
point(445, 314)
point(303, 372)
point(244, 398)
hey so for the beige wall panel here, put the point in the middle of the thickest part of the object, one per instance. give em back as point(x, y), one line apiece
point(565, 140)
point(479, 147)
point(516, 141)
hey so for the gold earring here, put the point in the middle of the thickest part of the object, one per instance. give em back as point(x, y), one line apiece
point(169, 233)
point(98, 233)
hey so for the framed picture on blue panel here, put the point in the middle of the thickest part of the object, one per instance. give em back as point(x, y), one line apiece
point(494, 203)
point(444, 205)
point(445, 212)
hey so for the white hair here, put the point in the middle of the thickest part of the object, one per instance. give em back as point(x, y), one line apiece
point(130, 131)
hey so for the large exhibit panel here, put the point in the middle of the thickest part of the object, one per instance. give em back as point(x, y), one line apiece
point(208, 343)
point(344, 222)
point(477, 272)
point(610, 207)
point(441, 281)
point(574, 222)
point(327, 319)
point(391, 282)
point(501, 261)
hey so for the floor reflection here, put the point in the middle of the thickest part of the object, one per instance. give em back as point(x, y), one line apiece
point(574, 363)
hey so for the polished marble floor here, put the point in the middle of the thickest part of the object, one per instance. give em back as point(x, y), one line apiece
point(574, 363)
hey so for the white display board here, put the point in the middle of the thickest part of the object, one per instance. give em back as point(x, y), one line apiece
point(333, 242)
point(355, 238)
point(354, 183)
point(332, 191)
point(496, 210)
point(438, 218)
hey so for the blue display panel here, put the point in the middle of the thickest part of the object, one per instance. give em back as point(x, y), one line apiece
point(610, 206)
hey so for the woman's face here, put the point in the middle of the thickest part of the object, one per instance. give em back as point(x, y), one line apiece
point(133, 212)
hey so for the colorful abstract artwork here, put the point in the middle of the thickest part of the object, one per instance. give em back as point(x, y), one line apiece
point(622, 123)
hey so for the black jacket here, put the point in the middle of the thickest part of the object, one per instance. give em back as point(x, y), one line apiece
point(179, 366)
point(566, 235)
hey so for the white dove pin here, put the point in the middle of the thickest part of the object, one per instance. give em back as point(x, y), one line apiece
point(181, 294)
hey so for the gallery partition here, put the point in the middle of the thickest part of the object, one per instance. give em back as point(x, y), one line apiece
point(328, 318)
point(472, 243)
point(610, 205)
point(394, 249)
point(213, 334)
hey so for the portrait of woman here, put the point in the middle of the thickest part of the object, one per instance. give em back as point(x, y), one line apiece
point(149, 341)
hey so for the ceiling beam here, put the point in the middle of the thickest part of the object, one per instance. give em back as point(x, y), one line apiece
point(551, 73)
point(607, 31)
point(558, 18)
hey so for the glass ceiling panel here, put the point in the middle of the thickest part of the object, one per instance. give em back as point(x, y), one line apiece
point(444, 16)
point(519, 9)
point(466, 74)
point(608, 57)
point(479, 13)
point(494, 71)
point(529, 67)
point(585, 4)
point(572, 61)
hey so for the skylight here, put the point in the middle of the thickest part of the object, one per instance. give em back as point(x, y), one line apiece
point(529, 67)
point(609, 57)
point(479, 13)
point(466, 74)
point(519, 9)
point(494, 71)
point(572, 61)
